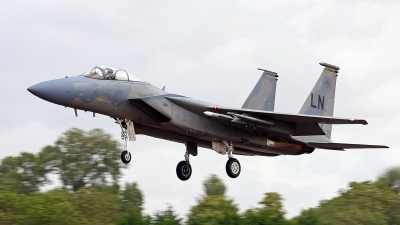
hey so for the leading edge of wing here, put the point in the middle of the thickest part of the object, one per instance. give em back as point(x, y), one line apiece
point(341, 146)
point(287, 117)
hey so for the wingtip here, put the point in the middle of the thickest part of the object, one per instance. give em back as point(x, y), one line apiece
point(360, 121)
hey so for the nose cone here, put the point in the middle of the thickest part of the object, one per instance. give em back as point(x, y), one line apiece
point(58, 91)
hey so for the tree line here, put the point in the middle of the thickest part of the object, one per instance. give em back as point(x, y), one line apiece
point(88, 167)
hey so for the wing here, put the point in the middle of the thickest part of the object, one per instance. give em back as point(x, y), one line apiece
point(341, 146)
point(293, 124)
point(293, 118)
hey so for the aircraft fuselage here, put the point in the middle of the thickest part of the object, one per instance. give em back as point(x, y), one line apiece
point(170, 121)
point(255, 129)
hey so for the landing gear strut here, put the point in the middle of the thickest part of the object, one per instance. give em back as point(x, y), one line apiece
point(127, 131)
point(184, 169)
point(232, 167)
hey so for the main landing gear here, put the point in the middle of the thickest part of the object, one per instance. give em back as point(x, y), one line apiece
point(127, 132)
point(232, 167)
point(184, 169)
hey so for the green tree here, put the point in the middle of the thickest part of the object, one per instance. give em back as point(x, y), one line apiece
point(97, 205)
point(392, 177)
point(250, 217)
point(132, 197)
point(50, 208)
point(214, 208)
point(83, 159)
point(214, 186)
point(306, 217)
point(37, 209)
point(132, 206)
point(10, 210)
point(362, 203)
point(134, 218)
point(167, 217)
point(22, 174)
point(272, 211)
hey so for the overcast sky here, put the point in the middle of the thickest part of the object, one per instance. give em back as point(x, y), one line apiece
point(209, 50)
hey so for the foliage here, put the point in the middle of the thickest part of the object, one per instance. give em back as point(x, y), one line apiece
point(271, 213)
point(84, 158)
point(132, 198)
point(361, 203)
point(214, 186)
point(98, 206)
point(307, 217)
point(166, 217)
point(89, 169)
point(214, 209)
point(86, 206)
point(131, 205)
point(22, 174)
point(392, 177)
point(47, 208)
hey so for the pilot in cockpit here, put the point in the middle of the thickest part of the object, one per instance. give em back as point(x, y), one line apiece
point(109, 73)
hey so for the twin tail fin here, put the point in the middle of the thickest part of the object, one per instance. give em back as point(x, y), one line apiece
point(262, 97)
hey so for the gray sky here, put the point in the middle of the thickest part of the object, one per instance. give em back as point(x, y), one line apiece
point(210, 50)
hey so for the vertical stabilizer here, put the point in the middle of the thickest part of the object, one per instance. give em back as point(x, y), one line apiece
point(263, 95)
point(321, 100)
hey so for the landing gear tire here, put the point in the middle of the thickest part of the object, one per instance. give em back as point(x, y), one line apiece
point(233, 168)
point(183, 170)
point(125, 157)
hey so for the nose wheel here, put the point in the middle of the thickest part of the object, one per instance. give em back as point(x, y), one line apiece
point(127, 132)
point(126, 157)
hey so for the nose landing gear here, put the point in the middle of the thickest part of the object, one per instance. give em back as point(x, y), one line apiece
point(126, 157)
point(127, 132)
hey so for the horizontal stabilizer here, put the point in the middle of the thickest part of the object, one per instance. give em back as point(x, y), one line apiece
point(341, 146)
point(287, 117)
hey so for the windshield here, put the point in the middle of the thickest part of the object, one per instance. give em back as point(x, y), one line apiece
point(110, 73)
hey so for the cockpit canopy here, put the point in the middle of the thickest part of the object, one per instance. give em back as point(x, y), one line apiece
point(110, 73)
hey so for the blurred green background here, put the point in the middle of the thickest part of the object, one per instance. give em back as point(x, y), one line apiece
point(87, 167)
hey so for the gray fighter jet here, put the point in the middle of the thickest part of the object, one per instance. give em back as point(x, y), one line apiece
point(255, 129)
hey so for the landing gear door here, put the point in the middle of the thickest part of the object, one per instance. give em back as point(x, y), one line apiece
point(219, 147)
point(131, 131)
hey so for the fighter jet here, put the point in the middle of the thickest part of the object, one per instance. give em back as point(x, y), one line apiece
point(253, 130)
